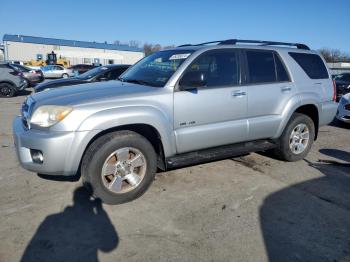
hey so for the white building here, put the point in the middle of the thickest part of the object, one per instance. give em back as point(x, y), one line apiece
point(25, 48)
point(339, 67)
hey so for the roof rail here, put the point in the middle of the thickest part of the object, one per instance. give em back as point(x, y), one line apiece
point(263, 43)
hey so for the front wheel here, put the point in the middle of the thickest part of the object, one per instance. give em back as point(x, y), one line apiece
point(296, 139)
point(119, 167)
point(65, 76)
point(7, 90)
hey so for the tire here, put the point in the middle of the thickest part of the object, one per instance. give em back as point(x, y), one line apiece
point(95, 161)
point(65, 76)
point(284, 150)
point(7, 90)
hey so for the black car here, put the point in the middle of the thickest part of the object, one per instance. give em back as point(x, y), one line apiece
point(102, 73)
point(32, 76)
point(82, 68)
point(342, 83)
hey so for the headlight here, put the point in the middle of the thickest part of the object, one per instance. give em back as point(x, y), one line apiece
point(46, 116)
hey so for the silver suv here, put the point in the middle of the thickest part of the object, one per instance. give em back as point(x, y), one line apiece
point(178, 107)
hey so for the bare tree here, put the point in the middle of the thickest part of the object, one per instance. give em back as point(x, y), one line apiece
point(151, 48)
point(333, 55)
point(134, 43)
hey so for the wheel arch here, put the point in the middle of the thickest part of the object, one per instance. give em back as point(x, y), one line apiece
point(8, 82)
point(145, 130)
point(311, 111)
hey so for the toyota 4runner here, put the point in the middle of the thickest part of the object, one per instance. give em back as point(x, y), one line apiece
point(177, 107)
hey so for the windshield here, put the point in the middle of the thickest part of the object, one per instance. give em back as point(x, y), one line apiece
point(92, 73)
point(20, 68)
point(156, 69)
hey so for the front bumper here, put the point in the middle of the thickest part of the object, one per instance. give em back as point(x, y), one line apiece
point(343, 115)
point(62, 151)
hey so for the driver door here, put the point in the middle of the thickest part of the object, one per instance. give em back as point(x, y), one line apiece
point(214, 114)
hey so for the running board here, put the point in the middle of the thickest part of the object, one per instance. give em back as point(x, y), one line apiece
point(218, 153)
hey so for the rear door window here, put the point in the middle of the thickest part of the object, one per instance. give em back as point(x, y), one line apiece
point(312, 65)
point(261, 66)
point(282, 75)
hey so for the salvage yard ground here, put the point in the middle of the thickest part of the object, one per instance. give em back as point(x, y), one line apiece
point(251, 208)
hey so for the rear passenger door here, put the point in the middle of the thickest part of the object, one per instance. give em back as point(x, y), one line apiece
point(269, 90)
point(57, 71)
point(214, 114)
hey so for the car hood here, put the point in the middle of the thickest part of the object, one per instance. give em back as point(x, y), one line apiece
point(346, 97)
point(91, 93)
point(58, 83)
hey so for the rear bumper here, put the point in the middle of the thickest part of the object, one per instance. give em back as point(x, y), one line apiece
point(23, 85)
point(328, 112)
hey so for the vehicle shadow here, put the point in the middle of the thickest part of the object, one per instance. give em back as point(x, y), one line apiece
point(310, 221)
point(336, 153)
point(340, 124)
point(76, 234)
point(23, 93)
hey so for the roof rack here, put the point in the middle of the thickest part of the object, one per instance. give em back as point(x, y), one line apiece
point(262, 43)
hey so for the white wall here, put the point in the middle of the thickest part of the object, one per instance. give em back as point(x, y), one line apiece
point(26, 51)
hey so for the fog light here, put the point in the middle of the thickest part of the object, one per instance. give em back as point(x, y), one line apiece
point(37, 156)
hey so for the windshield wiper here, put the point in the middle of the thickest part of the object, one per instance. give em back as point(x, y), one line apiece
point(137, 81)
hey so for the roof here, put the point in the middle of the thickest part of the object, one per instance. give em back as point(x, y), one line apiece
point(245, 46)
point(63, 42)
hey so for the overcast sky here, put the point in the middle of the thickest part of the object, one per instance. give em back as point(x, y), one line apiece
point(315, 23)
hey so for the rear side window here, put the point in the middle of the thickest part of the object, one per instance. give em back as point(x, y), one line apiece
point(312, 65)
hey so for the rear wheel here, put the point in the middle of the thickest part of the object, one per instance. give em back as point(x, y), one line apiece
point(7, 90)
point(296, 139)
point(119, 167)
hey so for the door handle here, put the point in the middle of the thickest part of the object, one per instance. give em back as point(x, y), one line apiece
point(238, 93)
point(286, 89)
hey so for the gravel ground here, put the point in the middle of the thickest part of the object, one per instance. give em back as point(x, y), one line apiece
point(250, 208)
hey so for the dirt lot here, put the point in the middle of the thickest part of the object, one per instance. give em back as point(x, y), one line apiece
point(252, 208)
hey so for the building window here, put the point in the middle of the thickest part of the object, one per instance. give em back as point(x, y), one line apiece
point(87, 60)
point(110, 61)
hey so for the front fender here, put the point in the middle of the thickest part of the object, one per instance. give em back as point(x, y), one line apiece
point(111, 118)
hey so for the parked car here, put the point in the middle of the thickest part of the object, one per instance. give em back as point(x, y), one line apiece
point(11, 81)
point(56, 71)
point(343, 112)
point(342, 82)
point(102, 73)
point(178, 107)
point(32, 76)
point(81, 68)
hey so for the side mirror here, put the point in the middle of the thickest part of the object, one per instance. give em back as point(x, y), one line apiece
point(192, 79)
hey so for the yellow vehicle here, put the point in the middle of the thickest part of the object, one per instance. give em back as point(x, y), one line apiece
point(51, 59)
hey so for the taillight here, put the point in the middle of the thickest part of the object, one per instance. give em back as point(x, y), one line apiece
point(334, 91)
point(347, 107)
